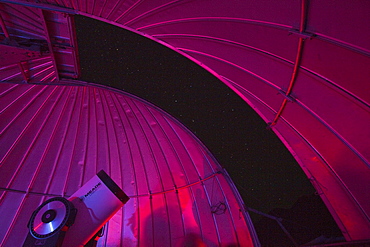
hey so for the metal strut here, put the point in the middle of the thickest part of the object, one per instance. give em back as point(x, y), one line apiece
point(3, 27)
point(278, 220)
point(302, 38)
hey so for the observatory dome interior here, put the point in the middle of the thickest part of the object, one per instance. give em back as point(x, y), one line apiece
point(303, 66)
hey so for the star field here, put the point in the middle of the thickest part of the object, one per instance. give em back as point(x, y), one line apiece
point(263, 170)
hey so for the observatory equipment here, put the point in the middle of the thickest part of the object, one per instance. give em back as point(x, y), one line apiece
point(49, 222)
point(74, 222)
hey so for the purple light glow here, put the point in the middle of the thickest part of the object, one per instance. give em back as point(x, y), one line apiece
point(54, 138)
point(64, 134)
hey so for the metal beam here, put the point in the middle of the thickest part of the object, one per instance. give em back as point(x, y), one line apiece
point(43, 6)
point(297, 63)
point(3, 27)
point(47, 34)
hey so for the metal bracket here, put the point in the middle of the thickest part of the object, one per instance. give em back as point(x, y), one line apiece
point(303, 35)
point(289, 97)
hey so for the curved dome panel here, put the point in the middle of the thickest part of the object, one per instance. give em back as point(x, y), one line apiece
point(55, 138)
point(302, 65)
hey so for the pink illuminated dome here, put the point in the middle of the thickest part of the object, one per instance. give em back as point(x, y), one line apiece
point(55, 138)
point(303, 66)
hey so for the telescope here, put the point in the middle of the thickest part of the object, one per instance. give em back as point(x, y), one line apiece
point(78, 220)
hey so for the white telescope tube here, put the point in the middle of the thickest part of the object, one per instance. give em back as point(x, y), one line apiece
point(96, 202)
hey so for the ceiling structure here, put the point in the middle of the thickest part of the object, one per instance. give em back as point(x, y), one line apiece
point(302, 65)
point(55, 138)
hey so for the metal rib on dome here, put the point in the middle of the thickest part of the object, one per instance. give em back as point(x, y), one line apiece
point(302, 65)
point(55, 138)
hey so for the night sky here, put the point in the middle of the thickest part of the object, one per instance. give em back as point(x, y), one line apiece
point(263, 170)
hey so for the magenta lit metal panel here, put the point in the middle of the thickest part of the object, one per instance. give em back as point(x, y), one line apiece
point(55, 138)
point(36, 45)
point(302, 65)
